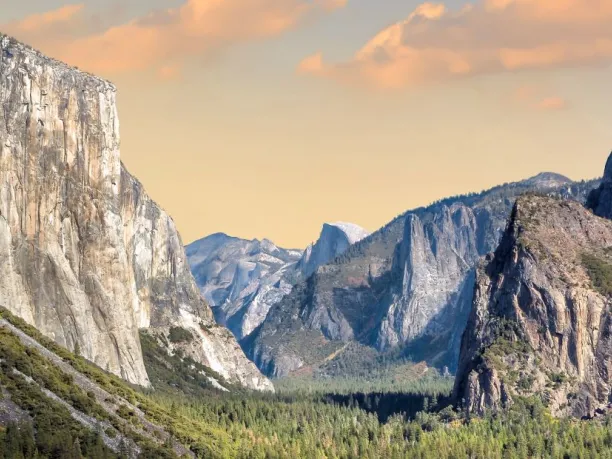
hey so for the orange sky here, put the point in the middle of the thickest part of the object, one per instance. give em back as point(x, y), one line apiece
point(266, 118)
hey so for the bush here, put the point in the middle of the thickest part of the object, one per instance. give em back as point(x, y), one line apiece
point(180, 335)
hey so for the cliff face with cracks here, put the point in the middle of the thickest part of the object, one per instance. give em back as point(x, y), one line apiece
point(541, 322)
point(85, 255)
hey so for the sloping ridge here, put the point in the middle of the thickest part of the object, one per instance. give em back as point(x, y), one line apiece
point(106, 408)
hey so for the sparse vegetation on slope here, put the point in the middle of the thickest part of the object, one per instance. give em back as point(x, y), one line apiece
point(176, 373)
point(600, 272)
point(68, 422)
point(179, 335)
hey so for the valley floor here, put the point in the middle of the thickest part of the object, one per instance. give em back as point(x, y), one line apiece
point(57, 405)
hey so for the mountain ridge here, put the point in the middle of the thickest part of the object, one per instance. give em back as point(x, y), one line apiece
point(540, 321)
point(242, 278)
point(365, 293)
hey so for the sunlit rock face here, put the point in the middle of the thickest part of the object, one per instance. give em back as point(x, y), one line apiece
point(241, 279)
point(85, 255)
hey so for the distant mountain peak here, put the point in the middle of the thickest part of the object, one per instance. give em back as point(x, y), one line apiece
point(215, 237)
point(335, 238)
point(240, 278)
point(608, 170)
point(547, 180)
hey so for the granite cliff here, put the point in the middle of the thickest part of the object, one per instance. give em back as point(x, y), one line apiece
point(85, 255)
point(334, 240)
point(540, 322)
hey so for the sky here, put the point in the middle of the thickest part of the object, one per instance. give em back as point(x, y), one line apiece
point(267, 118)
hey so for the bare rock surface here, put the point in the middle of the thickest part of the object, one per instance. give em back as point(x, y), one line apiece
point(85, 255)
point(243, 279)
point(541, 321)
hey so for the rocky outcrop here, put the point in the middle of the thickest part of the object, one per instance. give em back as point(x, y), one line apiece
point(85, 255)
point(406, 289)
point(434, 259)
point(243, 279)
point(540, 322)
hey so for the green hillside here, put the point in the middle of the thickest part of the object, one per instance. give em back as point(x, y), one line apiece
point(57, 405)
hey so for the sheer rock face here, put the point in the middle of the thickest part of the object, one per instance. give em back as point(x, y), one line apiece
point(406, 287)
point(434, 260)
point(541, 322)
point(85, 255)
point(334, 240)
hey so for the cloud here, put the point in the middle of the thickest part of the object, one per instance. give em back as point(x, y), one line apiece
point(53, 29)
point(434, 44)
point(534, 97)
point(36, 22)
point(312, 64)
point(195, 28)
point(552, 104)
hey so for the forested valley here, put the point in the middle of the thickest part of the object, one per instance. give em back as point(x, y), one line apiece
point(307, 421)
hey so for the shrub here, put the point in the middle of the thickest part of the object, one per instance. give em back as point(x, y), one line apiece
point(179, 335)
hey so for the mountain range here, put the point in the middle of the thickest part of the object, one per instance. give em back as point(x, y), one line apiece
point(404, 291)
point(242, 279)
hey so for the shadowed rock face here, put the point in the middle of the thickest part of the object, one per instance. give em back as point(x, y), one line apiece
point(540, 322)
point(334, 240)
point(600, 199)
point(85, 255)
point(407, 288)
